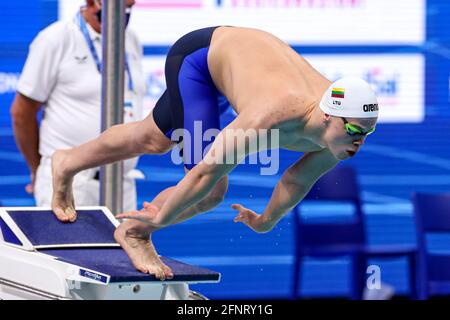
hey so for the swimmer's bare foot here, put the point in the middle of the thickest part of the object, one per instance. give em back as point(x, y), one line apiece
point(134, 238)
point(62, 200)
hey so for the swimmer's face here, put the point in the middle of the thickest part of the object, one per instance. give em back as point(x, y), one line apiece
point(340, 143)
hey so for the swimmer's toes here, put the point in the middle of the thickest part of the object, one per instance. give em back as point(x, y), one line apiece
point(142, 268)
point(158, 273)
point(59, 213)
point(168, 272)
point(71, 214)
point(152, 271)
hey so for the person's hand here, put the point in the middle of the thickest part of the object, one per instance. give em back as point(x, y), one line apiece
point(147, 214)
point(29, 188)
point(251, 219)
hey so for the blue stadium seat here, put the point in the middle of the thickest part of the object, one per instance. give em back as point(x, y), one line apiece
point(327, 239)
point(432, 213)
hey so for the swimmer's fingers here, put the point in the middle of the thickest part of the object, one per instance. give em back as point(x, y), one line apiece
point(244, 215)
point(144, 215)
point(238, 207)
point(240, 215)
point(251, 219)
point(149, 205)
point(146, 204)
point(131, 215)
point(150, 209)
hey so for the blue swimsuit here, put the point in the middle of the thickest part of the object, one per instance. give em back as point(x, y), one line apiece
point(191, 94)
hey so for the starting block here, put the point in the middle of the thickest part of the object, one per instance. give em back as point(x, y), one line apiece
point(43, 258)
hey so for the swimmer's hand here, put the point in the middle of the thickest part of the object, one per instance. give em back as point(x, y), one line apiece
point(250, 218)
point(146, 215)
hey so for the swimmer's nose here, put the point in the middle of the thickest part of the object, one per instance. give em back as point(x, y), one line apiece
point(359, 142)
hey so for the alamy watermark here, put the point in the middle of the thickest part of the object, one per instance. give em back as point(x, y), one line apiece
point(374, 279)
point(230, 146)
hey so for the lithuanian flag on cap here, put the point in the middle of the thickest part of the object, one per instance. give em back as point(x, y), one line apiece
point(337, 93)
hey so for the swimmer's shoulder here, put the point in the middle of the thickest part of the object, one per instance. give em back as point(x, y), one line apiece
point(241, 35)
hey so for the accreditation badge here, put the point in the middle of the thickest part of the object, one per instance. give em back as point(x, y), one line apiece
point(129, 112)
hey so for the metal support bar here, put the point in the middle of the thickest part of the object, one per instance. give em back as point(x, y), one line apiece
point(113, 65)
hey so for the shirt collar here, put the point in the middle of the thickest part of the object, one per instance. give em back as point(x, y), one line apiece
point(94, 35)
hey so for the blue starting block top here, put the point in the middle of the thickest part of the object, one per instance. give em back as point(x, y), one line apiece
point(43, 229)
point(87, 243)
point(115, 263)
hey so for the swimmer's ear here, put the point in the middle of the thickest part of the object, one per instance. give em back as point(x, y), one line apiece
point(326, 118)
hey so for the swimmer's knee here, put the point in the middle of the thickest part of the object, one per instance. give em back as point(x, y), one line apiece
point(150, 141)
point(158, 149)
point(152, 147)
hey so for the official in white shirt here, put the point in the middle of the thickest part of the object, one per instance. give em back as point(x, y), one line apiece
point(62, 74)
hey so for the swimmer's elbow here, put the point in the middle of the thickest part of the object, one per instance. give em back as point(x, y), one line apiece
point(206, 174)
point(203, 180)
point(144, 141)
point(296, 182)
point(213, 169)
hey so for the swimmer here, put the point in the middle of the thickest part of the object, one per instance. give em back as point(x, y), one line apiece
point(270, 87)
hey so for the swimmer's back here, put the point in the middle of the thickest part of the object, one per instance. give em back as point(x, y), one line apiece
point(252, 67)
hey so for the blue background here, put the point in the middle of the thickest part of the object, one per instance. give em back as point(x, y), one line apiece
point(398, 160)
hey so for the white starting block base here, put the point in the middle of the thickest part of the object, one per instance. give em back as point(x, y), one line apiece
point(35, 265)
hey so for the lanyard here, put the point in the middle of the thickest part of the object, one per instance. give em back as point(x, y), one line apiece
point(94, 54)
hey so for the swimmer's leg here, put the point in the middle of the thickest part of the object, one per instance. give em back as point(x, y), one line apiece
point(192, 97)
point(135, 236)
point(119, 142)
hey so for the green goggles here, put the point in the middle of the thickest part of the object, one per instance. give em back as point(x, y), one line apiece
point(353, 130)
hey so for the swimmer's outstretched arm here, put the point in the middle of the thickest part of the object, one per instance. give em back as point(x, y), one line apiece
point(293, 186)
point(199, 181)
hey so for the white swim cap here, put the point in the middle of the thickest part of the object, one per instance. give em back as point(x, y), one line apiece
point(350, 97)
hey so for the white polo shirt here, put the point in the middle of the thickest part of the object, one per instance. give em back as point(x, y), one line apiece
point(60, 72)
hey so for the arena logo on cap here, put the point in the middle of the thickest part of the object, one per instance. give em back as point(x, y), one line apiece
point(337, 93)
point(370, 107)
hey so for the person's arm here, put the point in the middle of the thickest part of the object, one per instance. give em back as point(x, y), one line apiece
point(293, 186)
point(26, 132)
point(37, 80)
point(227, 151)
